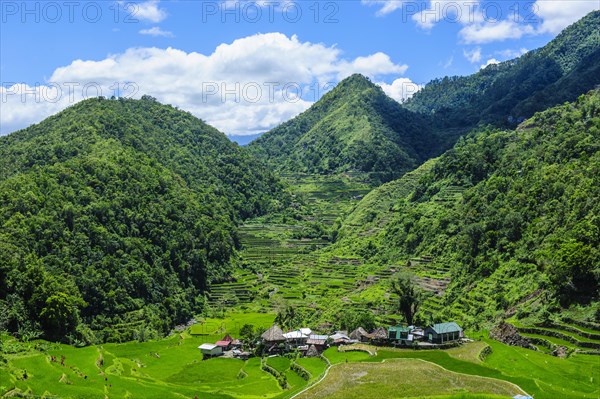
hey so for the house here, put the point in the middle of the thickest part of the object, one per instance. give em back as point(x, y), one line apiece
point(339, 338)
point(318, 341)
point(379, 336)
point(273, 335)
point(272, 338)
point(400, 335)
point(397, 333)
point(443, 332)
point(210, 350)
point(359, 335)
point(225, 343)
point(298, 337)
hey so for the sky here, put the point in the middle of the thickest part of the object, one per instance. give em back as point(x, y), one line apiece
point(245, 66)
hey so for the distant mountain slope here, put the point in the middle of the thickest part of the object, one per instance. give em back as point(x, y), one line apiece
point(509, 213)
point(355, 127)
point(116, 215)
point(511, 91)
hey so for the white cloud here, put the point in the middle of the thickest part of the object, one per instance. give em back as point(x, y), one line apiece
point(149, 11)
point(491, 61)
point(493, 31)
point(400, 89)
point(473, 55)
point(558, 14)
point(156, 31)
point(387, 6)
point(243, 87)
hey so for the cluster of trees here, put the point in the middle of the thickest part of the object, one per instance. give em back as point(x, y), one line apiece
point(115, 217)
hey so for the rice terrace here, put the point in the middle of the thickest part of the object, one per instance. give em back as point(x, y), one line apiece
point(369, 238)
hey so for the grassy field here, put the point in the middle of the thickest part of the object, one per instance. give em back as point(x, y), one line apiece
point(537, 373)
point(402, 378)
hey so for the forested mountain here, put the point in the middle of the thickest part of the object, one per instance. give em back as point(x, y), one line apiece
point(511, 214)
point(504, 94)
point(115, 215)
point(355, 127)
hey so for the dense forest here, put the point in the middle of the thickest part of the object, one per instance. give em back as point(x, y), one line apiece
point(512, 213)
point(116, 215)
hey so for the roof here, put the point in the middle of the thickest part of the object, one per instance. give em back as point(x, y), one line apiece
point(379, 333)
point(312, 352)
point(359, 333)
point(315, 339)
point(399, 328)
point(223, 343)
point(207, 347)
point(441, 328)
point(273, 334)
point(306, 331)
point(227, 338)
point(294, 335)
point(338, 337)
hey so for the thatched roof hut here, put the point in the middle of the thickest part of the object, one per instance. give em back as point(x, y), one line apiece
point(360, 334)
point(312, 351)
point(273, 334)
point(379, 333)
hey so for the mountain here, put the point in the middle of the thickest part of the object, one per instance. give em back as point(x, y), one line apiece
point(355, 127)
point(505, 94)
point(505, 222)
point(115, 216)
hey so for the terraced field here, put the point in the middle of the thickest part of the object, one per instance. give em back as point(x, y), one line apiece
point(278, 263)
point(548, 338)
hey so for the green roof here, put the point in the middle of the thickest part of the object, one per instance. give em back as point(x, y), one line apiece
point(446, 327)
point(399, 328)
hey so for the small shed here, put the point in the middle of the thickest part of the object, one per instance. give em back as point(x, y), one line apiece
point(443, 332)
point(210, 350)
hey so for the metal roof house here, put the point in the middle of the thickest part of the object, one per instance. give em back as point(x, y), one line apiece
point(443, 332)
point(210, 350)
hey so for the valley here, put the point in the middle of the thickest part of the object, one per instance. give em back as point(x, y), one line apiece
point(442, 247)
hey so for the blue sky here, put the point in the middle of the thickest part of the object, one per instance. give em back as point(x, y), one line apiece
point(246, 66)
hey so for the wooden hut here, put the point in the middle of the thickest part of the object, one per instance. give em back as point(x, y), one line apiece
point(360, 335)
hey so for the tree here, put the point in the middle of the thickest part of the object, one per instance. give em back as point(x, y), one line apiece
point(60, 315)
point(409, 297)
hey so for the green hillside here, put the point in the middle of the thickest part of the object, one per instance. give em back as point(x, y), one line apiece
point(506, 93)
point(116, 215)
point(355, 127)
point(507, 219)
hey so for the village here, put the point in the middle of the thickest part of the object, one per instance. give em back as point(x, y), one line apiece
point(308, 343)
